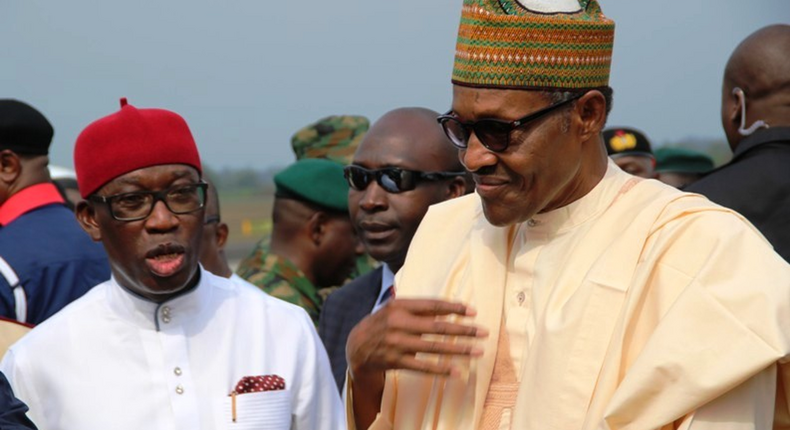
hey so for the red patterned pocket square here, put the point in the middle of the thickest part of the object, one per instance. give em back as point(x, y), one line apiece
point(256, 384)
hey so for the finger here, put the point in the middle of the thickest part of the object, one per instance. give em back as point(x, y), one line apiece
point(427, 325)
point(434, 307)
point(413, 345)
point(443, 368)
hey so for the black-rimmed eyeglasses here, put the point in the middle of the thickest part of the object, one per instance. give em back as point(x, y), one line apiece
point(134, 206)
point(494, 134)
point(392, 179)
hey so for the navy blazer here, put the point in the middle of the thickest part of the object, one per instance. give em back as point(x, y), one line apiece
point(342, 310)
point(55, 260)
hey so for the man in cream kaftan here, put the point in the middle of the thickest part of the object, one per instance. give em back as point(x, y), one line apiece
point(635, 307)
point(567, 294)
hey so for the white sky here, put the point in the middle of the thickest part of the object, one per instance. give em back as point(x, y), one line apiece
point(246, 74)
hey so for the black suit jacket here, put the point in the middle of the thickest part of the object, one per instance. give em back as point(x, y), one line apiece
point(756, 183)
point(342, 310)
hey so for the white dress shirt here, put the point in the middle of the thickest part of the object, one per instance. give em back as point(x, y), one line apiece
point(113, 360)
point(387, 280)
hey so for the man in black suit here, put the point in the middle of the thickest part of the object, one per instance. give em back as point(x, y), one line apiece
point(403, 165)
point(755, 113)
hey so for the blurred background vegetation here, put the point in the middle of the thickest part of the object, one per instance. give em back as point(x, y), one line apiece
point(246, 197)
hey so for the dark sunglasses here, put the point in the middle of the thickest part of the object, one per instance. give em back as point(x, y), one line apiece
point(392, 179)
point(494, 134)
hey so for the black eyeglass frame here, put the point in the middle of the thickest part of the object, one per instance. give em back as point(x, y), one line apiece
point(157, 196)
point(214, 219)
point(469, 127)
point(407, 179)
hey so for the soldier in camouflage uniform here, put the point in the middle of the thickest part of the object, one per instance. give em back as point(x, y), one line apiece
point(313, 245)
point(281, 278)
point(333, 138)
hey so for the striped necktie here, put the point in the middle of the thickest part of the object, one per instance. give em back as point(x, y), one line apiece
point(389, 293)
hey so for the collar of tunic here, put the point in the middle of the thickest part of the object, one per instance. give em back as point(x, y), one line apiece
point(159, 316)
point(582, 210)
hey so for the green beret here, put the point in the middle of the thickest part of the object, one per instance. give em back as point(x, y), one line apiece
point(335, 138)
point(314, 180)
point(682, 160)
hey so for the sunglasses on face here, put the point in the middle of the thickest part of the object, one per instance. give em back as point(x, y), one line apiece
point(392, 179)
point(494, 134)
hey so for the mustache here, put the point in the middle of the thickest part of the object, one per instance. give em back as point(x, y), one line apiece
point(485, 170)
point(164, 249)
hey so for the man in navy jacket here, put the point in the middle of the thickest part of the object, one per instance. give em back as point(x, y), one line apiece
point(46, 259)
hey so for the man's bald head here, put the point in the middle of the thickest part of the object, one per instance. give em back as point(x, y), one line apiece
point(417, 124)
point(760, 66)
point(411, 140)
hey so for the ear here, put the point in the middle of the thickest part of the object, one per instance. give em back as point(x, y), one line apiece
point(10, 166)
point(591, 114)
point(457, 187)
point(734, 109)
point(317, 227)
point(222, 235)
point(86, 215)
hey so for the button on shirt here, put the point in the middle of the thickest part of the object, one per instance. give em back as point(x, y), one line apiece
point(113, 360)
point(545, 241)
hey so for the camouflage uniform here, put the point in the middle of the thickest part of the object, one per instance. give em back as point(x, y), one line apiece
point(256, 262)
point(334, 138)
point(280, 278)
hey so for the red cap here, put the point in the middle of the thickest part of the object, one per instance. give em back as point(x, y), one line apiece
point(128, 140)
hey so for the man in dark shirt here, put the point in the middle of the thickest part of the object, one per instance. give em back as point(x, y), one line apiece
point(755, 113)
point(46, 259)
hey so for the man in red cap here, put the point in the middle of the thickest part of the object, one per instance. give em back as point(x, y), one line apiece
point(46, 260)
point(165, 344)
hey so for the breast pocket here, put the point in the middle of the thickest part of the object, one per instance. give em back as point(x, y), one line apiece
point(262, 410)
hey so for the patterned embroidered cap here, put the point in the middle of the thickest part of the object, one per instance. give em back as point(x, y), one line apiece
point(533, 44)
point(335, 138)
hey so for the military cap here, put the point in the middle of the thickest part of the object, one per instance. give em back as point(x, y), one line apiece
point(682, 160)
point(335, 138)
point(23, 129)
point(626, 141)
point(315, 181)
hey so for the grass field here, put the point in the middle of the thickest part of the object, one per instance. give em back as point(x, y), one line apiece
point(249, 218)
